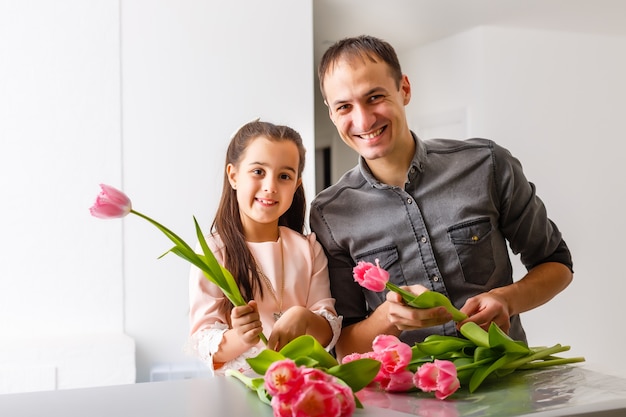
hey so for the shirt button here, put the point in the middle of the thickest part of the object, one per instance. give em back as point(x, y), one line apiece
point(409, 200)
point(435, 278)
point(423, 239)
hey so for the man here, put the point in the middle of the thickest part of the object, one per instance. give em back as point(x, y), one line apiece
point(436, 214)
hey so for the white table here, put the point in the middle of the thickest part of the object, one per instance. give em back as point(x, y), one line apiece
point(565, 391)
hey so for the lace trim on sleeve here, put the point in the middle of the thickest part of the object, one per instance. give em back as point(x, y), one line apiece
point(335, 325)
point(205, 343)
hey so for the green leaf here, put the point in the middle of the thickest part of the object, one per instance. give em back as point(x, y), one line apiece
point(356, 374)
point(475, 333)
point(191, 257)
point(482, 353)
point(214, 268)
point(428, 299)
point(481, 373)
point(307, 346)
point(263, 360)
point(252, 383)
point(500, 340)
point(438, 345)
point(307, 362)
point(232, 285)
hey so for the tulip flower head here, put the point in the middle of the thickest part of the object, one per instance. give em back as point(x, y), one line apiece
point(111, 203)
point(439, 376)
point(301, 391)
point(370, 276)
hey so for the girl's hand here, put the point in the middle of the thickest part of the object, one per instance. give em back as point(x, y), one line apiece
point(246, 323)
point(293, 323)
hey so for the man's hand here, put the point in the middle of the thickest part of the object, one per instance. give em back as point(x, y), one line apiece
point(411, 318)
point(486, 308)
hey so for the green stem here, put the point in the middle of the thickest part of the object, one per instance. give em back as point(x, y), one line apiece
point(404, 293)
point(551, 362)
point(536, 356)
point(178, 241)
point(475, 364)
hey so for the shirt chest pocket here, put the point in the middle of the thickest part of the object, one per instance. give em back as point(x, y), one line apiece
point(472, 241)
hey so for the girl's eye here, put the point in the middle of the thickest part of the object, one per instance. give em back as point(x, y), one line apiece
point(257, 171)
point(285, 176)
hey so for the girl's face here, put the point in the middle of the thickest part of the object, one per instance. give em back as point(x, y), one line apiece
point(265, 180)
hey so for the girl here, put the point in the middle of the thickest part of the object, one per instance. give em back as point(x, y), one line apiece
point(257, 236)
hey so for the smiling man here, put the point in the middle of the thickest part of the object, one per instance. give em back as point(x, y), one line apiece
point(437, 214)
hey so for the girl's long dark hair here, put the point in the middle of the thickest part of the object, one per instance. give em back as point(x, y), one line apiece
point(227, 223)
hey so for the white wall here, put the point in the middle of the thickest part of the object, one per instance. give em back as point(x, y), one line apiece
point(144, 96)
point(556, 100)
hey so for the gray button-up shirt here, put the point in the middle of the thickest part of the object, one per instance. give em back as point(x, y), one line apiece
point(447, 229)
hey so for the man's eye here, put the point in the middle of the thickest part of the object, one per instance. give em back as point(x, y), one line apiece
point(374, 99)
point(343, 108)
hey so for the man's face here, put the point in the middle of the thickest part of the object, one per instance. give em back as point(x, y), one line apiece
point(366, 106)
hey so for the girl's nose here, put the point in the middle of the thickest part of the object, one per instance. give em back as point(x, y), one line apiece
point(269, 185)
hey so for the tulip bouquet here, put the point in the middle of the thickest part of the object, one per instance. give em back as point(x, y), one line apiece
point(112, 203)
point(397, 374)
point(304, 380)
point(478, 355)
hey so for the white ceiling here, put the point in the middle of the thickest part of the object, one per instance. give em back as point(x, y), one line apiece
point(406, 24)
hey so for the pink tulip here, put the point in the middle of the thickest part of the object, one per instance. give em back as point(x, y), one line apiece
point(111, 203)
point(439, 376)
point(345, 397)
point(283, 377)
point(370, 276)
point(355, 356)
point(400, 381)
point(306, 392)
point(319, 394)
point(324, 399)
point(393, 354)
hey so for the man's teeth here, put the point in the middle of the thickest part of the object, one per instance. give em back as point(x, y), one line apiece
point(372, 135)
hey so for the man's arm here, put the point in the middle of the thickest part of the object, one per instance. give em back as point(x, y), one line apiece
point(540, 285)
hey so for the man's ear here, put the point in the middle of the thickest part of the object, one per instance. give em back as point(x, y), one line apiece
point(405, 86)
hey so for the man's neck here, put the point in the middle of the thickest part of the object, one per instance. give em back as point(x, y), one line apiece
point(392, 170)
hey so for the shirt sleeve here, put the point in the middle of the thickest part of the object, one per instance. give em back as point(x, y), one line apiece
point(207, 303)
point(524, 218)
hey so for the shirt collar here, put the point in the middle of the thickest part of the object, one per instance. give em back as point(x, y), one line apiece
point(417, 164)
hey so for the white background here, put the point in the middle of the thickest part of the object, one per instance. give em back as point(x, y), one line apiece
point(144, 96)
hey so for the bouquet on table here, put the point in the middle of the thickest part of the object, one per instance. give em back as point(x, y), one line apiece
point(471, 360)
